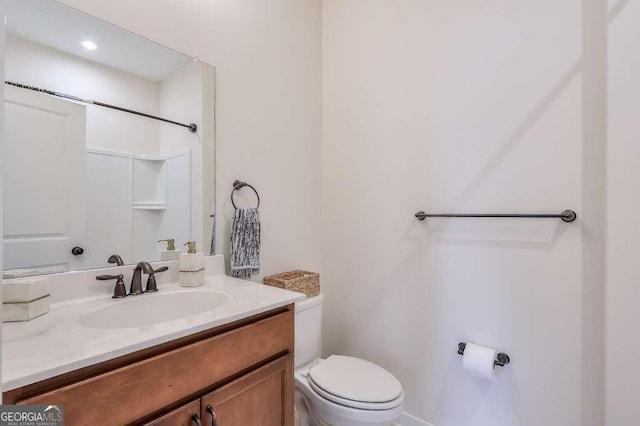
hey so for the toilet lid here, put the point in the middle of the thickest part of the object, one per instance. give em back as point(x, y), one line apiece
point(356, 380)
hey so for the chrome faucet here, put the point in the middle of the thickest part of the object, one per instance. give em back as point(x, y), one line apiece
point(136, 280)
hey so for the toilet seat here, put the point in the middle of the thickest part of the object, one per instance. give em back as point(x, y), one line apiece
point(356, 383)
point(373, 406)
point(327, 412)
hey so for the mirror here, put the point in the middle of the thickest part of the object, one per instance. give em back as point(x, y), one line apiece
point(109, 143)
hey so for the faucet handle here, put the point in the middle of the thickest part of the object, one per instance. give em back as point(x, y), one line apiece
point(119, 291)
point(108, 277)
point(152, 286)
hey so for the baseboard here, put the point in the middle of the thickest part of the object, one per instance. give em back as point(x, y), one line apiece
point(409, 420)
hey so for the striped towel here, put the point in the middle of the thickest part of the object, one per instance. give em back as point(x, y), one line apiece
point(245, 243)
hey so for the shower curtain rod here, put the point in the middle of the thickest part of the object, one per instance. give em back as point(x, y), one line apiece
point(192, 126)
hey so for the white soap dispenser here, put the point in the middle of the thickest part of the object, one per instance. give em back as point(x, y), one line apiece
point(170, 253)
point(191, 267)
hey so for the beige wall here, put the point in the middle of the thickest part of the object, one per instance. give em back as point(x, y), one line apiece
point(491, 106)
point(623, 243)
point(2, 43)
point(268, 62)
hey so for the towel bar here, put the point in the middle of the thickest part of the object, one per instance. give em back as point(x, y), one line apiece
point(566, 216)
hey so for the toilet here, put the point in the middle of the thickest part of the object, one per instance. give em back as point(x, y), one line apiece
point(339, 390)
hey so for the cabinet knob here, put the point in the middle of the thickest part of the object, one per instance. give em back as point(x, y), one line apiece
point(214, 418)
point(77, 251)
point(196, 419)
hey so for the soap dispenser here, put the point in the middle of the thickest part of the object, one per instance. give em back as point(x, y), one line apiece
point(170, 253)
point(191, 266)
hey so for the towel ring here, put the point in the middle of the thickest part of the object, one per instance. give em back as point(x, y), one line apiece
point(237, 185)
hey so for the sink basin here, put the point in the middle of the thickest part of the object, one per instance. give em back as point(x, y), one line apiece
point(149, 309)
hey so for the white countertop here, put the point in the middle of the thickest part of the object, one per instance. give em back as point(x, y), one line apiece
point(57, 342)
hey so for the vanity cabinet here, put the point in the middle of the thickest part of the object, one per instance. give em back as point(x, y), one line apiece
point(254, 399)
point(257, 399)
point(186, 415)
point(243, 370)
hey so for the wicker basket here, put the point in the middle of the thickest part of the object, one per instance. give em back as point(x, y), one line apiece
point(301, 281)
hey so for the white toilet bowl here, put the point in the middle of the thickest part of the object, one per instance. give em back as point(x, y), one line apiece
point(319, 407)
point(341, 390)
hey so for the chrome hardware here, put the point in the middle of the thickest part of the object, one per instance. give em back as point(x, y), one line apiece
point(151, 281)
point(115, 258)
point(120, 290)
point(214, 418)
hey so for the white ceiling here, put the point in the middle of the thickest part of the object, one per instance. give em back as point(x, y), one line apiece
point(61, 27)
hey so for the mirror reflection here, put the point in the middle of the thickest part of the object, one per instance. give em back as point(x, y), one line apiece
point(108, 144)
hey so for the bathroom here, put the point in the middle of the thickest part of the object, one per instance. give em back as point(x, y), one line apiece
point(348, 117)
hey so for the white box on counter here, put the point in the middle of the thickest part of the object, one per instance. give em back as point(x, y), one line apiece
point(25, 311)
point(27, 289)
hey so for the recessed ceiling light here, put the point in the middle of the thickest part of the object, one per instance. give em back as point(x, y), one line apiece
point(89, 45)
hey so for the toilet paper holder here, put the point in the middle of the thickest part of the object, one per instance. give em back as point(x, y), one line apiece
point(502, 359)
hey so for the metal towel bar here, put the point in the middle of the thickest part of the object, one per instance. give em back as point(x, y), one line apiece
point(566, 216)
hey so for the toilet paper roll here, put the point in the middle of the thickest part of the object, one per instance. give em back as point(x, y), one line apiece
point(478, 360)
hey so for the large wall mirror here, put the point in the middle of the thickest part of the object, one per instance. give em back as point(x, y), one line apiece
point(109, 143)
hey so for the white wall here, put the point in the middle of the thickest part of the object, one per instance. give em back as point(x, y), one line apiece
point(268, 63)
point(2, 77)
point(623, 242)
point(467, 106)
point(38, 65)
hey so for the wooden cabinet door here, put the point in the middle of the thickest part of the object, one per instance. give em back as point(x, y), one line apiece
point(263, 397)
point(187, 415)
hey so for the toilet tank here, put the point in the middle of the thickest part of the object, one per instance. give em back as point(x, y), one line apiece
point(308, 326)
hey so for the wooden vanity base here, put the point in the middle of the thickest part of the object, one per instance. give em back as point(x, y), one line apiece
point(243, 370)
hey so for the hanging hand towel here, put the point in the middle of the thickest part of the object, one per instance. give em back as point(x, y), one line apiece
point(245, 243)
